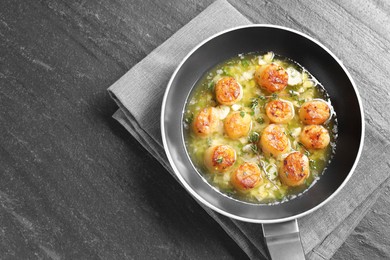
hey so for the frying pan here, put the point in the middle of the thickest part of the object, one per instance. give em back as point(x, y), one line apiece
point(279, 221)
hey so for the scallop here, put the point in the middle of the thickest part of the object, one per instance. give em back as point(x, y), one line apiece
point(280, 111)
point(219, 158)
point(314, 137)
point(237, 124)
point(228, 91)
point(294, 169)
point(271, 77)
point(315, 112)
point(206, 122)
point(274, 141)
point(246, 177)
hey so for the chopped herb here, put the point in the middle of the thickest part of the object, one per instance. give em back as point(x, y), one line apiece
point(274, 96)
point(254, 103)
point(301, 101)
point(230, 192)
point(220, 160)
point(211, 85)
point(254, 148)
point(262, 97)
point(189, 118)
point(225, 72)
point(307, 153)
point(254, 137)
point(252, 113)
point(242, 114)
point(245, 63)
point(260, 120)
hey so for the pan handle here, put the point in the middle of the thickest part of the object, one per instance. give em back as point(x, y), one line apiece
point(283, 240)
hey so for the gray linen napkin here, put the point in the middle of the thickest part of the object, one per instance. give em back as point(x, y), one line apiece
point(139, 95)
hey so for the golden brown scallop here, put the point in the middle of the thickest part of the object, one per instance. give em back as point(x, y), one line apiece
point(314, 137)
point(206, 122)
point(280, 111)
point(314, 112)
point(220, 158)
point(274, 141)
point(228, 91)
point(294, 169)
point(237, 124)
point(271, 77)
point(247, 176)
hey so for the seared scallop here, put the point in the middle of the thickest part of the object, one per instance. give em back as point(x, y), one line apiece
point(228, 91)
point(206, 122)
point(220, 158)
point(247, 176)
point(237, 124)
point(271, 77)
point(280, 111)
point(294, 169)
point(314, 137)
point(274, 141)
point(314, 112)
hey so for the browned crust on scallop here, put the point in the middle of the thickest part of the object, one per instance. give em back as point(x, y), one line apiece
point(272, 77)
point(295, 169)
point(247, 176)
point(227, 91)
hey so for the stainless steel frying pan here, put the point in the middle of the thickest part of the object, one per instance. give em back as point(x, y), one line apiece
point(279, 221)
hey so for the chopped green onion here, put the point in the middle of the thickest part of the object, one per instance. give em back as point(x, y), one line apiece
point(260, 120)
point(211, 85)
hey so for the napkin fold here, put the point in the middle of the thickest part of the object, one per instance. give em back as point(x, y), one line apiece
point(139, 96)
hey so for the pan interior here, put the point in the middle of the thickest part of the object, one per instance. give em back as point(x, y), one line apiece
point(311, 56)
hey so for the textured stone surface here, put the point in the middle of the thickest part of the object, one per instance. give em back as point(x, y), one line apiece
point(370, 239)
point(74, 184)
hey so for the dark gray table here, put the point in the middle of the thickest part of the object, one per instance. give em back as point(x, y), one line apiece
point(74, 184)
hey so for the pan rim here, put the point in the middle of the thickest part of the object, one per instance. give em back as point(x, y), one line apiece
point(223, 212)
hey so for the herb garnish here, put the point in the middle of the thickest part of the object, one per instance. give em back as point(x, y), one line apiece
point(254, 137)
point(220, 160)
point(189, 119)
point(245, 63)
